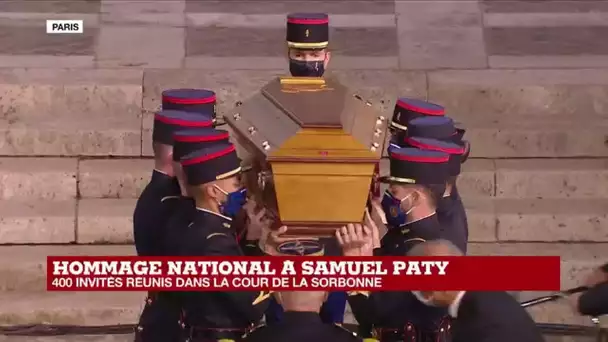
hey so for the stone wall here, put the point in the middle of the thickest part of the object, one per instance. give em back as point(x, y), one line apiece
point(371, 34)
point(525, 77)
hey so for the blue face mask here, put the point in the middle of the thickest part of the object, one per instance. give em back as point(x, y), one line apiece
point(395, 216)
point(234, 202)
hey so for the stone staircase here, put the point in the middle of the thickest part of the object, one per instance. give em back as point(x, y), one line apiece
point(76, 153)
point(75, 120)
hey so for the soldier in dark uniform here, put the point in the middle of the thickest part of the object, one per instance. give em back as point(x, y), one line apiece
point(164, 183)
point(160, 316)
point(213, 175)
point(594, 302)
point(407, 110)
point(301, 321)
point(190, 100)
point(307, 41)
point(417, 180)
point(157, 202)
point(440, 134)
point(186, 141)
point(450, 208)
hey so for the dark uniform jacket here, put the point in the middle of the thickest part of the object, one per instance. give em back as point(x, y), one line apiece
point(160, 318)
point(493, 317)
point(594, 302)
point(152, 211)
point(453, 220)
point(218, 315)
point(393, 312)
point(177, 225)
point(301, 327)
point(333, 309)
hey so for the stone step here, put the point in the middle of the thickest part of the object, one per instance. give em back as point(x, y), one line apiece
point(25, 268)
point(70, 112)
point(109, 221)
point(67, 178)
point(534, 136)
point(67, 221)
point(537, 220)
point(521, 178)
point(72, 308)
point(98, 112)
point(38, 178)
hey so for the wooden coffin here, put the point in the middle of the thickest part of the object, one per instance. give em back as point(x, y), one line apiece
point(315, 149)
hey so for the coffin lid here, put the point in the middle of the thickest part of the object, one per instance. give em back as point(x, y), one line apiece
point(309, 119)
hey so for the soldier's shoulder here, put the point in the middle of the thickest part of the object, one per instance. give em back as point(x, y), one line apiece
point(345, 334)
point(413, 235)
point(170, 199)
point(256, 333)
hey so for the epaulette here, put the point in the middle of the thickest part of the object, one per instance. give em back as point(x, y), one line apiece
point(337, 325)
point(256, 328)
point(169, 197)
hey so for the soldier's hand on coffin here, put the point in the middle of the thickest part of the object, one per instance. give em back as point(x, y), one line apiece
point(355, 240)
point(273, 240)
point(374, 231)
point(257, 221)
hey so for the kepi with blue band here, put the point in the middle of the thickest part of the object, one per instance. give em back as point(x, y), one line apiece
point(454, 150)
point(408, 109)
point(187, 141)
point(218, 161)
point(437, 127)
point(166, 122)
point(307, 31)
point(433, 127)
point(190, 100)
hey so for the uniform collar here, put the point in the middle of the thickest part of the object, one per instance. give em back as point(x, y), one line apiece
point(453, 308)
point(161, 179)
point(160, 175)
point(208, 212)
point(427, 217)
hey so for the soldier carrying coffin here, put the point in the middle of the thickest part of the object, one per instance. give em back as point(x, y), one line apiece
point(413, 119)
point(307, 137)
point(213, 175)
point(161, 314)
point(415, 179)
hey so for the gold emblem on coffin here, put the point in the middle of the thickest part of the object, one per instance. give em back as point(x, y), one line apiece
point(307, 33)
point(314, 152)
point(304, 84)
